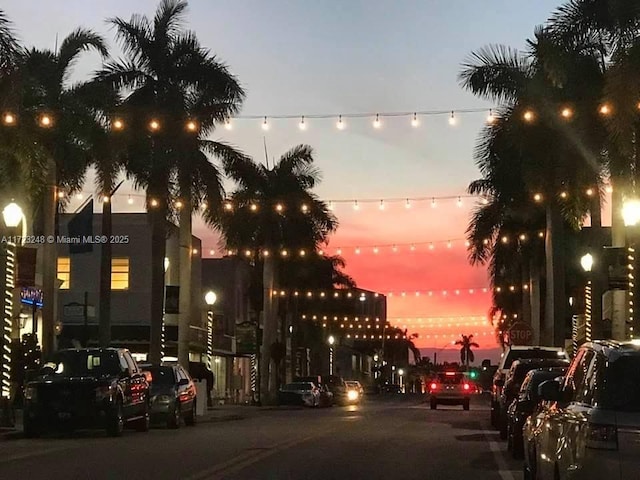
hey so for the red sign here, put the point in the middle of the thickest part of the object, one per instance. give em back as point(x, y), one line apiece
point(520, 333)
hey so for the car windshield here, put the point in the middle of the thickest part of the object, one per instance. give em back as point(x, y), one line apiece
point(530, 354)
point(290, 387)
point(75, 363)
point(622, 385)
point(450, 378)
point(162, 376)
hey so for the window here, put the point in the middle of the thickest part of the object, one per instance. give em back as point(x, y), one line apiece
point(119, 273)
point(64, 272)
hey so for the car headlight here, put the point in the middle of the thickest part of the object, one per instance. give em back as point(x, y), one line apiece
point(352, 395)
point(31, 393)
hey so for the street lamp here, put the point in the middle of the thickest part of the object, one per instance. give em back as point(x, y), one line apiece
point(331, 340)
point(631, 212)
point(586, 261)
point(400, 374)
point(210, 298)
point(12, 215)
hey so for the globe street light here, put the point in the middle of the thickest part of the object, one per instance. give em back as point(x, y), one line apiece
point(331, 340)
point(400, 374)
point(631, 212)
point(587, 262)
point(210, 298)
point(13, 216)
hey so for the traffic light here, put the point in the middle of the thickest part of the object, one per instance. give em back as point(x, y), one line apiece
point(473, 374)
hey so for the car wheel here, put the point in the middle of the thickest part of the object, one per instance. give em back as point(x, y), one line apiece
point(115, 421)
point(190, 419)
point(143, 423)
point(30, 428)
point(173, 418)
point(503, 427)
point(466, 403)
point(434, 404)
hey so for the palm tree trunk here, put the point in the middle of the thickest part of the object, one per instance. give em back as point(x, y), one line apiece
point(618, 298)
point(185, 281)
point(269, 332)
point(49, 265)
point(534, 296)
point(157, 217)
point(526, 293)
point(555, 292)
point(105, 278)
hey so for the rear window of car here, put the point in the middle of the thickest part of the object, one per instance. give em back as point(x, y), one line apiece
point(528, 354)
point(162, 376)
point(454, 379)
point(622, 385)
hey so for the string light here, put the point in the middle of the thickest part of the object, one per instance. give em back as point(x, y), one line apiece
point(414, 121)
point(340, 294)
point(45, 121)
point(452, 119)
point(490, 118)
point(192, 126)
point(340, 124)
point(228, 125)
point(154, 125)
point(528, 116)
point(459, 203)
point(265, 124)
point(376, 122)
point(302, 125)
point(9, 119)
point(567, 113)
point(605, 109)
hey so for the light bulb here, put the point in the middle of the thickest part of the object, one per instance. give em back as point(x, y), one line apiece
point(566, 113)
point(381, 205)
point(537, 197)
point(452, 119)
point(433, 203)
point(265, 124)
point(414, 121)
point(9, 118)
point(45, 121)
point(154, 125)
point(605, 109)
point(528, 116)
point(192, 126)
point(79, 196)
point(459, 202)
point(376, 122)
point(490, 118)
point(302, 125)
point(227, 124)
point(407, 204)
point(355, 205)
point(340, 124)
point(130, 200)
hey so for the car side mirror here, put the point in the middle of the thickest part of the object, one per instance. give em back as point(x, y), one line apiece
point(182, 382)
point(550, 391)
point(499, 382)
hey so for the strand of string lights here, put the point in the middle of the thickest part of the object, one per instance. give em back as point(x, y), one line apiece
point(361, 296)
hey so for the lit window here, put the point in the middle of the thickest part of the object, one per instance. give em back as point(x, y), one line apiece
point(119, 273)
point(64, 272)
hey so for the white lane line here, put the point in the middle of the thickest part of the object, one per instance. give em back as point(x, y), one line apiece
point(503, 469)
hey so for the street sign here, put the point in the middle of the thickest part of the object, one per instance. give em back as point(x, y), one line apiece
point(520, 333)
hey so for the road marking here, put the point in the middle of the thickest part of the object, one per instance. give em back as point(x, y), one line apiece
point(248, 458)
point(503, 469)
point(36, 453)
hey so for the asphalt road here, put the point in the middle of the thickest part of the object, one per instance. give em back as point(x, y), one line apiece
point(380, 439)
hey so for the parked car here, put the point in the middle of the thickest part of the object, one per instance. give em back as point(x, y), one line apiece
point(89, 387)
point(299, 393)
point(525, 404)
point(449, 388)
point(326, 396)
point(173, 395)
point(513, 382)
point(512, 353)
point(590, 426)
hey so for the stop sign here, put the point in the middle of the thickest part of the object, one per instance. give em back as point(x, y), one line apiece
point(520, 333)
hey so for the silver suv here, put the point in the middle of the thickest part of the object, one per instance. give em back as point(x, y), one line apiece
point(589, 426)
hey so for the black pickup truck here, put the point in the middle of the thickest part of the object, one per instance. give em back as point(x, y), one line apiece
point(87, 388)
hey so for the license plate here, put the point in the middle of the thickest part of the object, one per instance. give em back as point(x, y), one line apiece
point(64, 415)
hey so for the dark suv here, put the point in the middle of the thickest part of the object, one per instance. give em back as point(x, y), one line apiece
point(90, 387)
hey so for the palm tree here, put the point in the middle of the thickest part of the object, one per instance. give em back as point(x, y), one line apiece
point(168, 76)
point(570, 159)
point(466, 354)
point(274, 209)
point(612, 26)
point(51, 155)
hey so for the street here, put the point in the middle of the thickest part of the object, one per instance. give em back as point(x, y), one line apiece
point(385, 437)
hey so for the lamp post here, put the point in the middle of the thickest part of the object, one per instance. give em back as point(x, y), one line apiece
point(587, 264)
point(331, 340)
point(13, 216)
point(210, 298)
point(400, 375)
point(631, 217)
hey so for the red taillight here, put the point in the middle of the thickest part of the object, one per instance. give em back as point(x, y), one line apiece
point(466, 386)
point(433, 386)
point(602, 437)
